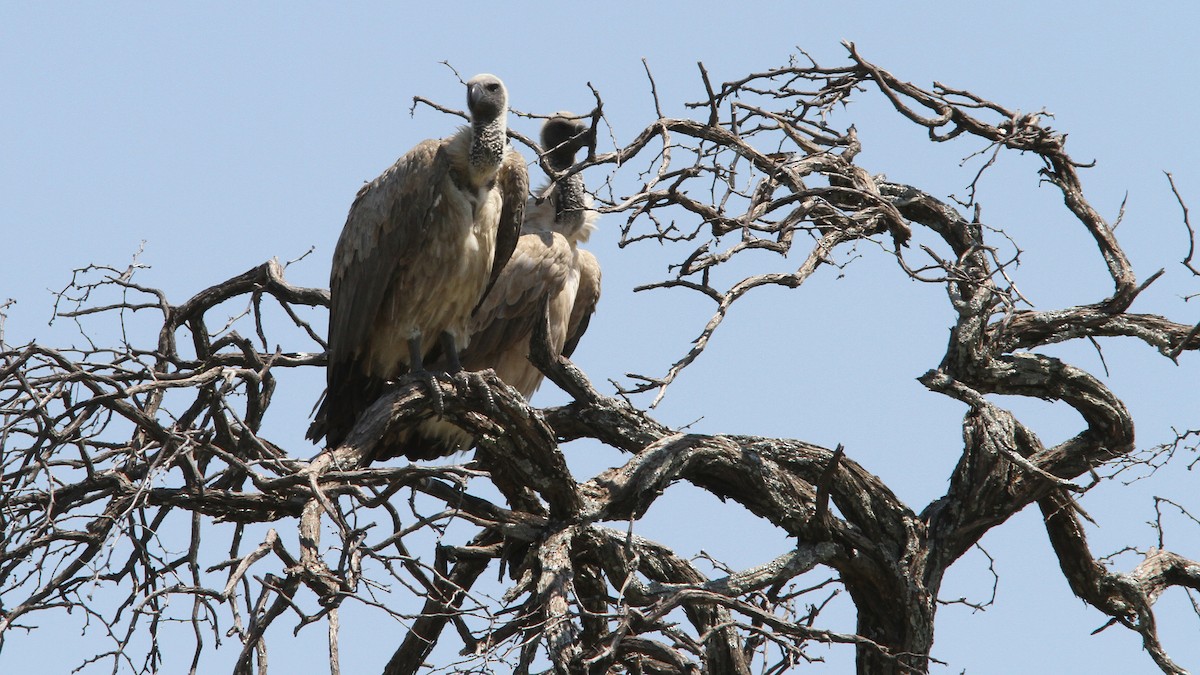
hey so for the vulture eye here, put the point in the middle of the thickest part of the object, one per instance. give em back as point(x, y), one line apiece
point(493, 86)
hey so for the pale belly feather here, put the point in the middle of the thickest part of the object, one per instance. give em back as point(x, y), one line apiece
point(438, 291)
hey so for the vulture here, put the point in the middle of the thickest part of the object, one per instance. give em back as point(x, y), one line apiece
point(547, 263)
point(421, 246)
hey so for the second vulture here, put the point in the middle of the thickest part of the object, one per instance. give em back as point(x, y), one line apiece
point(547, 264)
point(422, 244)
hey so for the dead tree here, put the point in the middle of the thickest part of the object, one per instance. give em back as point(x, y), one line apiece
point(138, 464)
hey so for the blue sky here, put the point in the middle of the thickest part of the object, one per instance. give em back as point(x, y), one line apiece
point(223, 135)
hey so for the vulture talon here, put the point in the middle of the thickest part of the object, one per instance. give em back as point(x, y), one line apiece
point(488, 396)
point(435, 393)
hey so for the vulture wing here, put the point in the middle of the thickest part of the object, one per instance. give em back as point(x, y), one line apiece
point(385, 230)
point(585, 300)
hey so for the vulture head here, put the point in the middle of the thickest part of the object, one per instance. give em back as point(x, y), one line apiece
point(562, 136)
point(487, 99)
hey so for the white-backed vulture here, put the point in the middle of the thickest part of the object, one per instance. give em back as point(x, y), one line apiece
point(422, 244)
point(547, 263)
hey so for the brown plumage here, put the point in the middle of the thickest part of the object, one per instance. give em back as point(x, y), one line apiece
point(421, 245)
point(547, 263)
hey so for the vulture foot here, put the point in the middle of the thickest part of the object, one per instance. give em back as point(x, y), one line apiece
point(475, 382)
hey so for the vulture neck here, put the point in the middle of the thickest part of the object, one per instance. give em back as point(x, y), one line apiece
point(570, 207)
point(488, 142)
